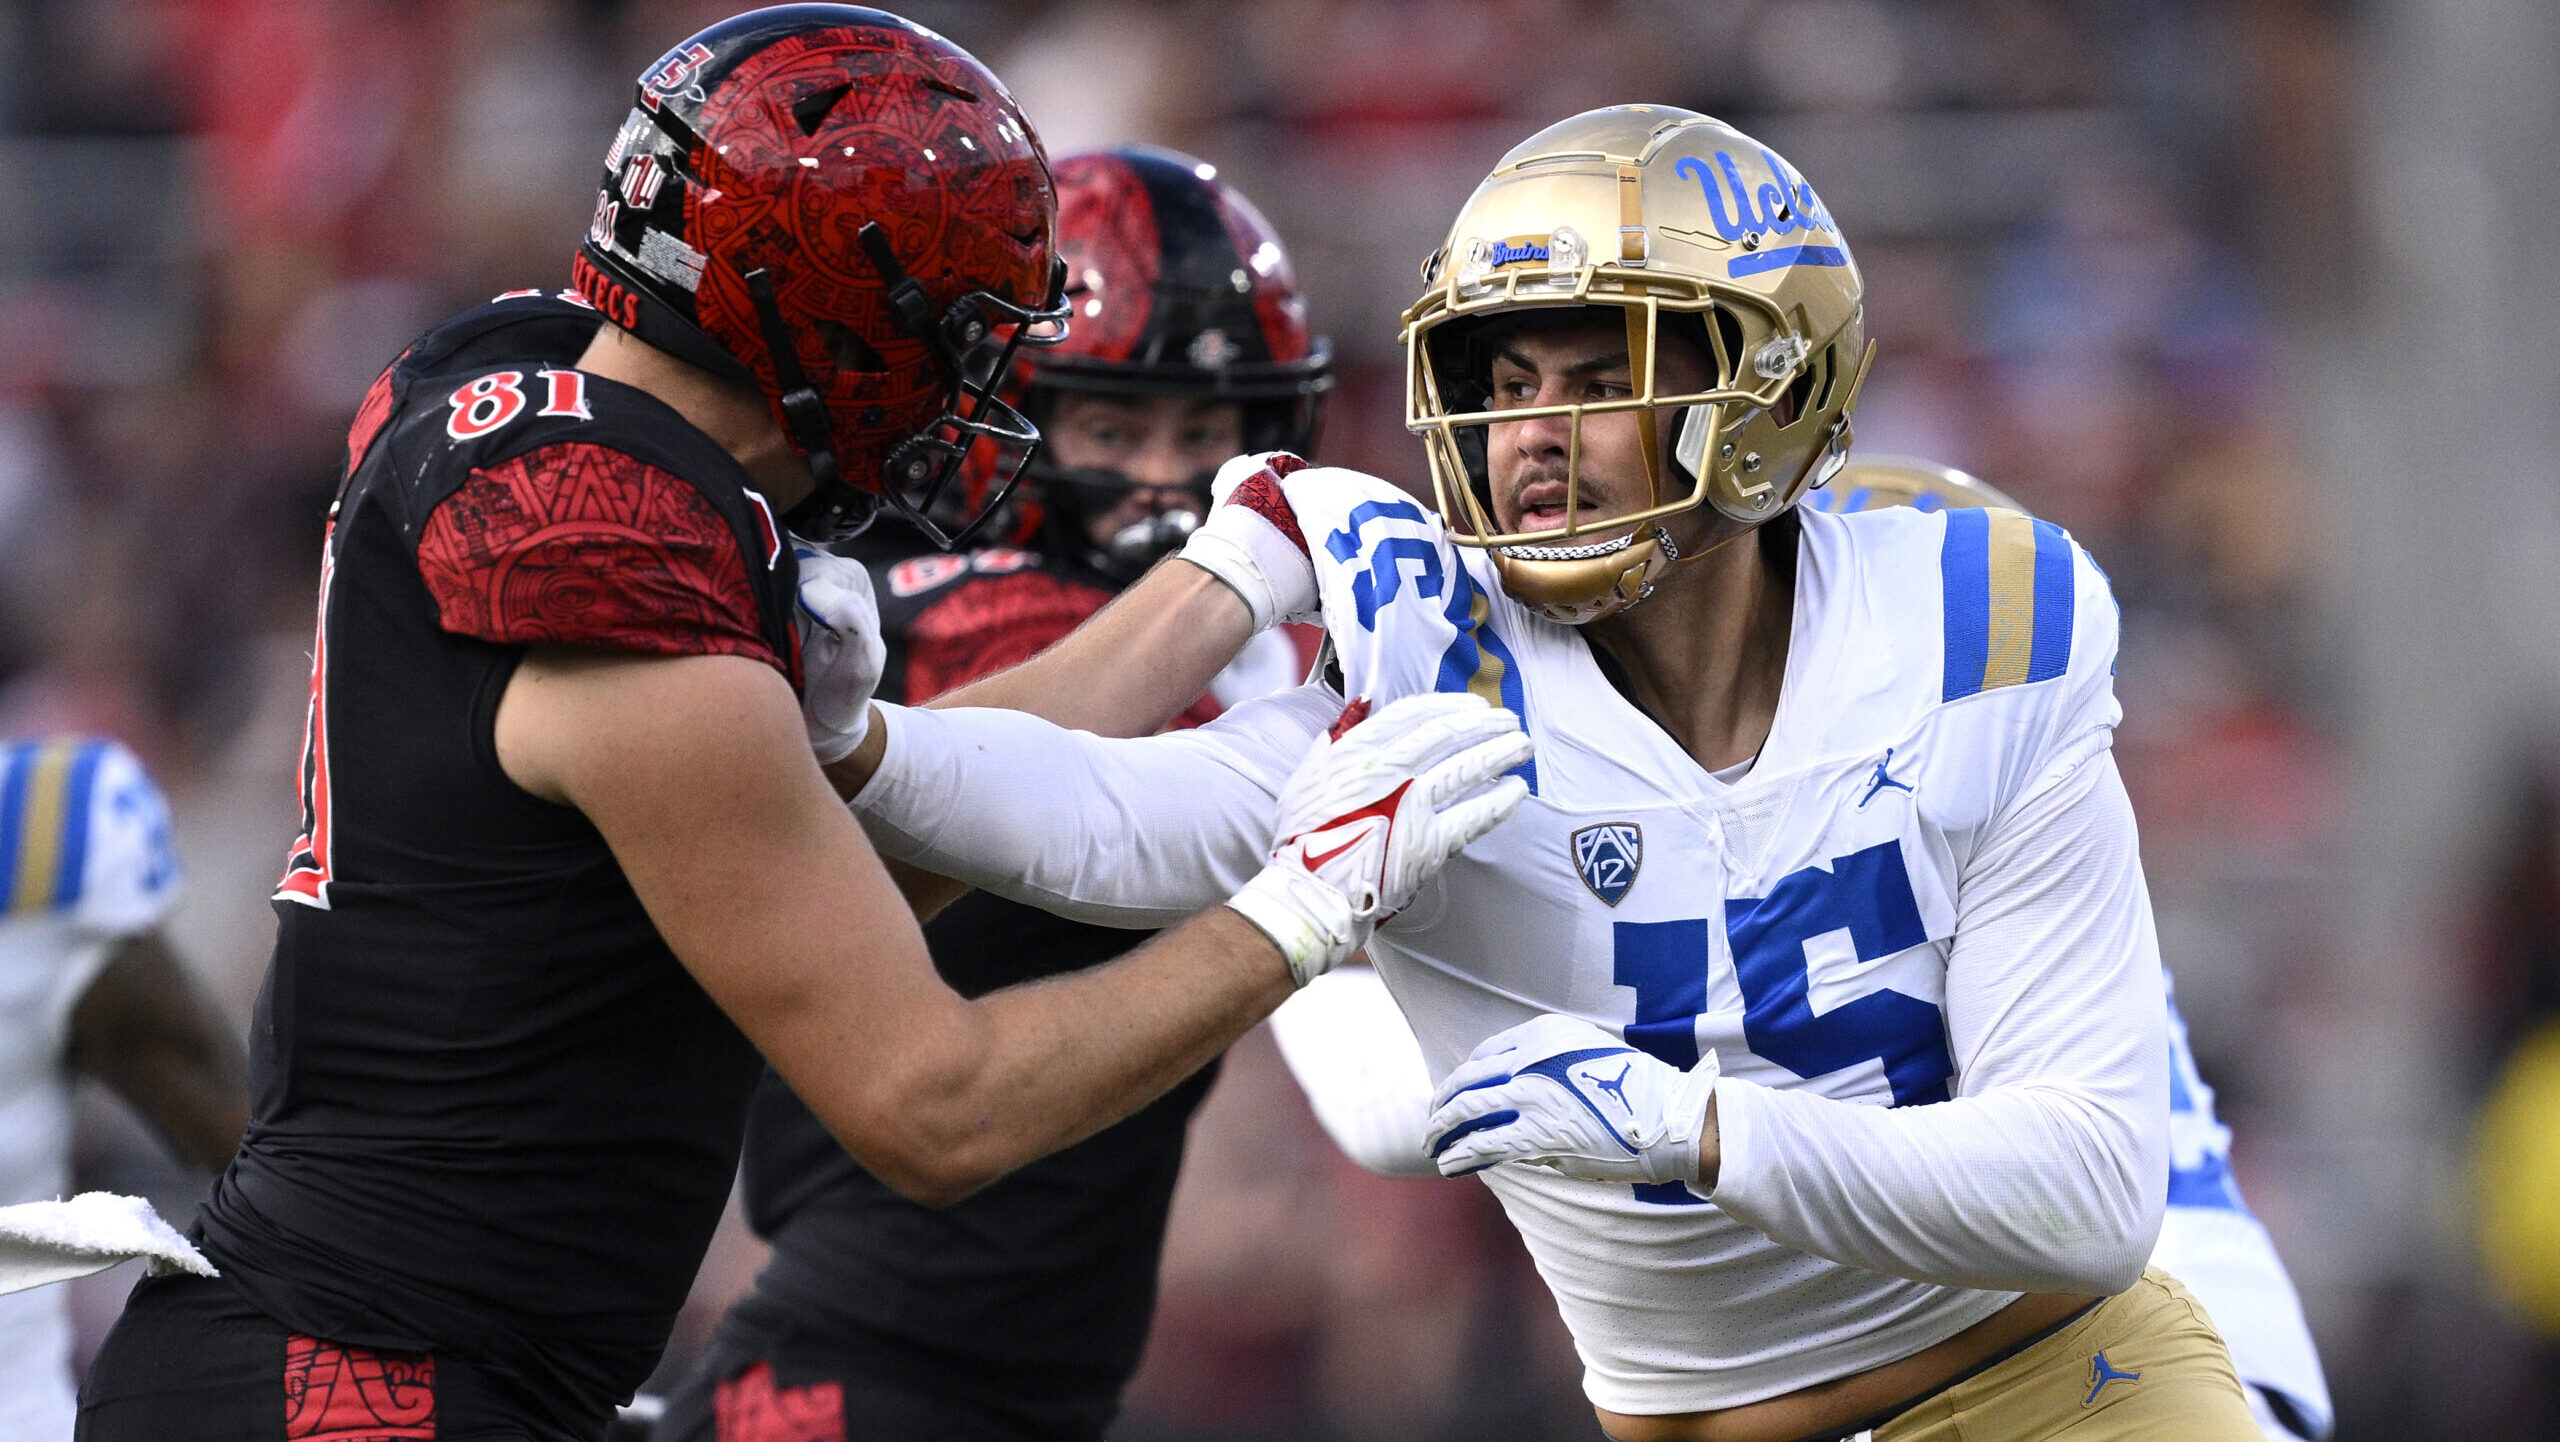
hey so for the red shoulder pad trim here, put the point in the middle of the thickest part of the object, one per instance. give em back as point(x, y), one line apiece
point(371, 415)
point(579, 543)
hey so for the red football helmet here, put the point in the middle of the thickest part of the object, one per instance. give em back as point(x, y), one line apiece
point(848, 212)
point(1176, 286)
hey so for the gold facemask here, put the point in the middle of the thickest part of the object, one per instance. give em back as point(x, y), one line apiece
point(1672, 218)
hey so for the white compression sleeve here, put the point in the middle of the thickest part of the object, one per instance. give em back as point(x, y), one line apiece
point(2047, 1171)
point(1137, 833)
point(1346, 1042)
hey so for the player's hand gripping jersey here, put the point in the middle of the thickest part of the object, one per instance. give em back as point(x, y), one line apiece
point(1915, 933)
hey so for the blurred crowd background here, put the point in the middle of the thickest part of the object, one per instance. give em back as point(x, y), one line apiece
point(2250, 294)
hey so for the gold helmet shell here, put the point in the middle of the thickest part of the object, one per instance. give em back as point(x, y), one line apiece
point(1873, 483)
point(1676, 219)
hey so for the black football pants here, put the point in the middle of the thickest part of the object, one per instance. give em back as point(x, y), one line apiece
point(189, 1361)
point(765, 1378)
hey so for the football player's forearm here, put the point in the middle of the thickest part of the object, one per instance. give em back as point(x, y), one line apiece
point(1044, 1065)
point(2025, 1190)
point(1135, 666)
point(1137, 832)
point(1130, 670)
point(1361, 1068)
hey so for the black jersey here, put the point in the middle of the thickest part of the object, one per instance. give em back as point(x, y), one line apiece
point(1031, 1298)
point(495, 1118)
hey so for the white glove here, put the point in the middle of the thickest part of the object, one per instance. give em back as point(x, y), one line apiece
point(1376, 807)
point(1252, 542)
point(841, 653)
point(1559, 1092)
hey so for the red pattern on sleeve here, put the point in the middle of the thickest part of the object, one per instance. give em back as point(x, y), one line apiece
point(581, 543)
point(370, 415)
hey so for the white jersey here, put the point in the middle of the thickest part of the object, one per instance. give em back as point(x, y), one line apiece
point(84, 861)
point(1915, 933)
point(1350, 1049)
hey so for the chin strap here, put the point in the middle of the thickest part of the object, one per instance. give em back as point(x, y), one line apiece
point(827, 513)
point(906, 296)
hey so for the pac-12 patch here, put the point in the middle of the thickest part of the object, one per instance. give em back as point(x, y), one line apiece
point(1607, 856)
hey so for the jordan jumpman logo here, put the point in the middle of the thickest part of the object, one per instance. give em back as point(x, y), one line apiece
point(1880, 781)
point(1617, 1085)
point(2105, 1372)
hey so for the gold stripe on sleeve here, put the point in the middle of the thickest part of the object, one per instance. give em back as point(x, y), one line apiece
point(2011, 641)
point(40, 828)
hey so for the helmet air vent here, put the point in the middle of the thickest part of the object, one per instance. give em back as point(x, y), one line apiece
point(849, 350)
point(811, 110)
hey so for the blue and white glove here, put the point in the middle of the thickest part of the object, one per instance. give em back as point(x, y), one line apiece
point(1556, 1091)
point(1375, 808)
point(1252, 542)
point(841, 653)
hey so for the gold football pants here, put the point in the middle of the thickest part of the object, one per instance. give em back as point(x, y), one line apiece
point(2144, 1364)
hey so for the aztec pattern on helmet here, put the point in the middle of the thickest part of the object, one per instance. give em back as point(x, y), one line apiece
point(767, 143)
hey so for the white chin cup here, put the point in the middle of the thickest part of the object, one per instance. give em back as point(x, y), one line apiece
point(1689, 440)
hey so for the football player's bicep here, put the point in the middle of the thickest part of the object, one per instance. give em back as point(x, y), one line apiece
point(696, 772)
point(1129, 832)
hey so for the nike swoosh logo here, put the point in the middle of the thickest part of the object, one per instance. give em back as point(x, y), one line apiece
point(1316, 859)
point(1381, 812)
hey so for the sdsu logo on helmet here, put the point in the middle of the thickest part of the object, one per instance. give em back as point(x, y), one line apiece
point(850, 214)
point(667, 82)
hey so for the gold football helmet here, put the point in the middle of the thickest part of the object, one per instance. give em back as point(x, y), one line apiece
point(1873, 483)
point(1678, 220)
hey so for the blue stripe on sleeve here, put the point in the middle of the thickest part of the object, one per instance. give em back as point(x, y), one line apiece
point(2055, 595)
point(71, 863)
point(1965, 566)
point(17, 765)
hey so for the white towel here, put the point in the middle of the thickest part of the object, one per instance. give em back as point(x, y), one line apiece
point(46, 1242)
